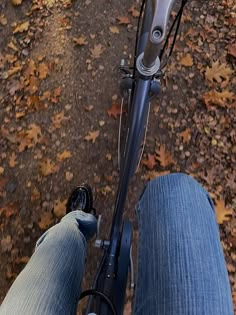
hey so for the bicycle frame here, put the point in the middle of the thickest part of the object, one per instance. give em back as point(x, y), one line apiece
point(112, 278)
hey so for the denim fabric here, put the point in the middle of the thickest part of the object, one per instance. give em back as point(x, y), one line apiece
point(181, 268)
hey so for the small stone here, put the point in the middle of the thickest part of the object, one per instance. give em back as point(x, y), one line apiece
point(114, 97)
point(69, 176)
point(187, 153)
point(181, 147)
point(175, 87)
point(58, 143)
point(101, 123)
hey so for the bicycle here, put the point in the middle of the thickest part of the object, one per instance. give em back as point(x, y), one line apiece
point(139, 85)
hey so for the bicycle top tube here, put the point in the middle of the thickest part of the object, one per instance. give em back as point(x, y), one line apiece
point(160, 16)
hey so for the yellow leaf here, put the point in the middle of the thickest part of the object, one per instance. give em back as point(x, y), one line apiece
point(63, 156)
point(80, 40)
point(20, 28)
point(92, 136)
point(218, 98)
point(43, 70)
point(114, 30)
point(218, 72)
point(48, 167)
point(222, 213)
point(187, 61)
point(16, 2)
point(59, 208)
point(12, 160)
point(97, 51)
point(46, 220)
point(164, 157)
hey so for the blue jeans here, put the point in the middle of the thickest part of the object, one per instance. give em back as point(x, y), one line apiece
point(181, 267)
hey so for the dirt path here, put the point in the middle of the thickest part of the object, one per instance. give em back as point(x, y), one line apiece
point(59, 78)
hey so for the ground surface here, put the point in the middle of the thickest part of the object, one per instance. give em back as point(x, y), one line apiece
point(58, 115)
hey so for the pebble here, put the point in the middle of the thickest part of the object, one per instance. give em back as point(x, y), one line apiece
point(187, 153)
point(11, 187)
point(181, 147)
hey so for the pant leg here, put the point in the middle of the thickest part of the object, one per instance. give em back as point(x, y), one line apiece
point(181, 267)
point(50, 282)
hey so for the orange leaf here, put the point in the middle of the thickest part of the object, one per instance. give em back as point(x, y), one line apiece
point(123, 20)
point(187, 61)
point(149, 162)
point(92, 136)
point(48, 167)
point(9, 209)
point(59, 208)
point(80, 41)
point(164, 157)
point(56, 94)
point(34, 133)
point(30, 70)
point(114, 111)
point(133, 11)
point(58, 119)
point(43, 71)
point(12, 160)
point(218, 98)
point(232, 49)
point(64, 155)
point(218, 72)
point(46, 220)
point(150, 175)
point(186, 135)
point(33, 85)
point(222, 213)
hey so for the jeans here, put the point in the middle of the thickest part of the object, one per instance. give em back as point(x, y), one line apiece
point(181, 267)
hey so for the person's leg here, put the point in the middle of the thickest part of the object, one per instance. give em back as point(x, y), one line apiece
point(181, 267)
point(50, 282)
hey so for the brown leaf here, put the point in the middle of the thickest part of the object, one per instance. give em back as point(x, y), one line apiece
point(9, 209)
point(232, 49)
point(218, 98)
point(80, 41)
point(150, 161)
point(35, 195)
point(16, 2)
point(133, 11)
point(114, 111)
point(114, 29)
point(34, 133)
point(108, 156)
point(33, 101)
point(30, 70)
point(92, 136)
point(22, 260)
point(12, 46)
point(33, 85)
point(48, 167)
point(64, 155)
point(222, 213)
point(6, 244)
point(43, 71)
point(12, 71)
point(187, 61)
point(3, 20)
point(186, 135)
point(164, 157)
point(56, 94)
point(218, 72)
point(69, 176)
point(150, 175)
point(1, 171)
point(97, 51)
point(46, 219)
point(59, 208)
point(123, 20)
point(58, 119)
point(12, 160)
point(20, 28)
point(105, 190)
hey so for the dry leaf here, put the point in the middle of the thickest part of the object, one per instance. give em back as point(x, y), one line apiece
point(218, 72)
point(186, 135)
point(149, 162)
point(6, 244)
point(12, 71)
point(218, 98)
point(33, 85)
point(80, 41)
point(35, 194)
point(12, 46)
point(123, 20)
point(3, 20)
point(9, 210)
point(43, 71)
point(222, 214)
point(134, 11)
point(92, 136)
point(150, 175)
point(34, 133)
point(105, 190)
point(58, 119)
point(114, 111)
point(22, 260)
point(164, 157)
point(59, 208)
point(97, 51)
point(46, 219)
point(48, 167)
point(232, 49)
point(64, 155)
point(114, 29)
point(1, 170)
point(30, 70)
point(69, 176)
point(109, 156)
point(12, 160)
point(187, 61)
point(20, 28)
point(16, 2)
point(56, 94)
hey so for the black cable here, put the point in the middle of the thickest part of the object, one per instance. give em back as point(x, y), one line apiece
point(100, 294)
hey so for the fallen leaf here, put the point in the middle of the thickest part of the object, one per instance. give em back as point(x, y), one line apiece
point(92, 136)
point(20, 28)
point(46, 96)
point(30, 70)
point(3, 20)
point(12, 160)
point(6, 244)
point(150, 161)
point(35, 195)
point(222, 213)
point(218, 98)
point(64, 155)
point(109, 156)
point(186, 135)
point(105, 190)
point(150, 175)
point(16, 2)
point(232, 49)
point(46, 219)
point(22, 260)
point(187, 61)
point(114, 29)
point(9, 210)
point(97, 51)
point(1, 170)
point(123, 20)
point(12, 46)
point(12, 71)
point(164, 157)
point(88, 108)
point(58, 119)
point(59, 208)
point(56, 94)
point(218, 72)
point(34, 133)
point(133, 11)
point(33, 85)
point(69, 176)
point(33, 101)
point(114, 111)
point(43, 71)
point(48, 167)
point(80, 41)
